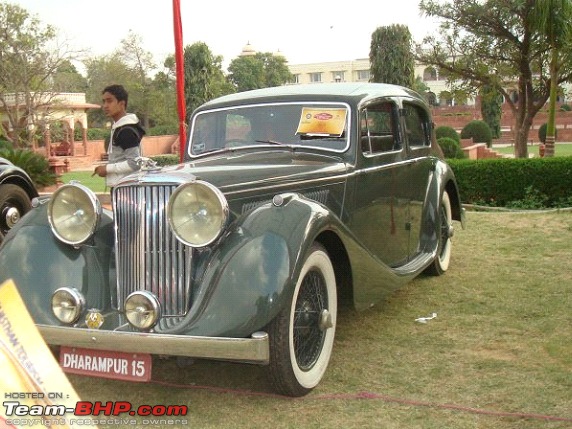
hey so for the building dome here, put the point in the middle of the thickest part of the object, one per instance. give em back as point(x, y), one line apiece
point(248, 50)
point(279, 54)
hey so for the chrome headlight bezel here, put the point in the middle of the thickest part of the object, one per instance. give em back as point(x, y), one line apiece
point(70, 300)
point(87, 212)
point(142, 309)
point(205, 195)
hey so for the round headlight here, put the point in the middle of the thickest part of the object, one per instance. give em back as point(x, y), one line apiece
point(142, 309)
point(197, 213)
point(67, 305)
point(73, 213)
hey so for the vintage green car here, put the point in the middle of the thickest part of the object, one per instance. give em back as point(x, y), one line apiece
point(290, 200)
point(16, 193)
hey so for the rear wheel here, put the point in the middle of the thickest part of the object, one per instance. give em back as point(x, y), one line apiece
point(14, 203)
point(302, 335)
point(445, 233)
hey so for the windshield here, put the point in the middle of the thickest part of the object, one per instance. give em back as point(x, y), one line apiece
point(323, 126)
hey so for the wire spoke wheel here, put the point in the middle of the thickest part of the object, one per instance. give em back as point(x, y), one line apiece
point(302, 336)
point(308, 335)
point(444, 236)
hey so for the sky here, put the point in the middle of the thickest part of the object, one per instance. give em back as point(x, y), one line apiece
point(304, 32)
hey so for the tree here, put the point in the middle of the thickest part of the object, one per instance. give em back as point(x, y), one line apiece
point(28, 62)
point(204, 79)
point(261, 70)
point(140, 63)
point(552, 19)
point(495, 43)
point(152, 98)
point(391, 56)
point(101, 72)
point(68, 79)
point(491, 109)
point(164, 88)
point(246, 73)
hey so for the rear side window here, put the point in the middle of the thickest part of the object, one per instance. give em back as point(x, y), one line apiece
point(379, 133)
point(417, 126)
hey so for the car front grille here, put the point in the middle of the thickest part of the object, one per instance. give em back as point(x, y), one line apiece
point(148, 255)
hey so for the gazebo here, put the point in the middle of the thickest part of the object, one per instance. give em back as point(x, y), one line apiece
point(67, 108)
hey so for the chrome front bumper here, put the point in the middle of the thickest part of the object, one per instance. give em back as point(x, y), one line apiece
point(252, 350)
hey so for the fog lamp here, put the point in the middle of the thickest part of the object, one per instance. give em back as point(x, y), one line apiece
point(142, 309)
point(67, 305)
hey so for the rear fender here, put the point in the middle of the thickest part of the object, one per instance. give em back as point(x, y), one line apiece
point(442, 180)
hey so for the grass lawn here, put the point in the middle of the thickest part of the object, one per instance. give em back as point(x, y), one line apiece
point(561, 149)
point(498, 355)
point(95, 183)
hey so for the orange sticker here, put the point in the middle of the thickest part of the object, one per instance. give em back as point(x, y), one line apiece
point(317, 121)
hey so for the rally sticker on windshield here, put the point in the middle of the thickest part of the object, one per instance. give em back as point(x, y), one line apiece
point(322, 121)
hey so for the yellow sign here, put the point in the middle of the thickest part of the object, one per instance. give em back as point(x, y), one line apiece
point(327, 121)
point(35, 391)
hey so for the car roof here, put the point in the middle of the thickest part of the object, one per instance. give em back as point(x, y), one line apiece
point(353, 92)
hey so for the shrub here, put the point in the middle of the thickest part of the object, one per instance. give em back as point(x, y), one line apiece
point(451, 148)
point(445, 131)
point(5, 144)
point(34, 164)
point(565, 108)
point(92, 134)
point(163, 130)
point(164, 160)
point(542, 132)
point(479, 131)
point(532, 200)
point(500, 182)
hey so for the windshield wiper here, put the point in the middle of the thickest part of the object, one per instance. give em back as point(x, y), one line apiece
point(271, 142)
point(216, 149)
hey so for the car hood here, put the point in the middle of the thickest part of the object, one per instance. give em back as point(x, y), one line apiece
point(248, 170)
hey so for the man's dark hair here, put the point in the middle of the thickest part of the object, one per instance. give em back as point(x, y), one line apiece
point(118, 92)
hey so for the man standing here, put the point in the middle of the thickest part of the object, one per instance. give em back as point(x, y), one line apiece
point(125, 140)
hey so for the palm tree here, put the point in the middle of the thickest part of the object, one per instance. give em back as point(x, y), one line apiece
point(552, 19)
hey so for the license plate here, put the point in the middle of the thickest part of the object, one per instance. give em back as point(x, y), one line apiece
point(106, 364)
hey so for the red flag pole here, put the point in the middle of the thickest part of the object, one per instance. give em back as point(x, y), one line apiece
point(180, 77)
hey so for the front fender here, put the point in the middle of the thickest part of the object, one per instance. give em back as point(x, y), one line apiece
point(39, 264)
point(17, 176)
point(251, 275)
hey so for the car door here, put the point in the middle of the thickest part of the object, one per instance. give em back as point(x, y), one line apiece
point(380, 206)
point(417, 125)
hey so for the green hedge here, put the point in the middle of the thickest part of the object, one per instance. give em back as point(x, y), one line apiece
point(446, 131)
point(479, 131)
point(451, 148)
point(501, 182)
point(164, 160)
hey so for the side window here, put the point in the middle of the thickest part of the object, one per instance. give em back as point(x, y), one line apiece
point(416, 126)
point(379, 129)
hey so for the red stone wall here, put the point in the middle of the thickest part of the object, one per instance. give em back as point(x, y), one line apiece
point(87, 157)
point(458, 116)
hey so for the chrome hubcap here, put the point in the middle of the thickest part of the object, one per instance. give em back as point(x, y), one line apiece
point(325, 320)
point(451, 231)
point(12, 216)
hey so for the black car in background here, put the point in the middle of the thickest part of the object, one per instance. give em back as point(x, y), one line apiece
point(16, 193)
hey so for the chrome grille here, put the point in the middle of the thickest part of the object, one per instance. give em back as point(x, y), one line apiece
point(148, 255)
